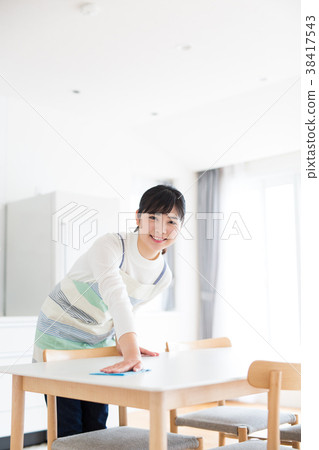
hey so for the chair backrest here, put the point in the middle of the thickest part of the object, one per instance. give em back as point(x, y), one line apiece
point(201, 343)
point(274, 376)
point(50, 355)
point(63, 355)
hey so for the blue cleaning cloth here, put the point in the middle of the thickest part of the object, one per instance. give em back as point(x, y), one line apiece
point(122, 374)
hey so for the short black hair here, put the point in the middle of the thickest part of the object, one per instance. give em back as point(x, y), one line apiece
point(162, 199)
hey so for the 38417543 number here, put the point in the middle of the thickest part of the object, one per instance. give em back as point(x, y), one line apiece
point(310, 45)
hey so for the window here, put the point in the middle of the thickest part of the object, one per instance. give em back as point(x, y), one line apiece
point(259, 276)
point(282, 262)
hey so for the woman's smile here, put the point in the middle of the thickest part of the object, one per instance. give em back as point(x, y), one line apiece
point(158, 240)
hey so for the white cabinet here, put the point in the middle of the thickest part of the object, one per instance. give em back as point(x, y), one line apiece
point(45, 235)
point(16, 346)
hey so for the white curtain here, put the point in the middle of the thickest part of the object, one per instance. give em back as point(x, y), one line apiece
point(258, 301)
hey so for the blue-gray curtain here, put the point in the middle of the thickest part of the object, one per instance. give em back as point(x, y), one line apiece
point(208, 243)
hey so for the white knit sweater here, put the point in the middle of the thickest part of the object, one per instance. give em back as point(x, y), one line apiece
point(101, 263)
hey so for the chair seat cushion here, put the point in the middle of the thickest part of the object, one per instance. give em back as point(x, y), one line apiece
point(249, 445)
point(227, 419)
point(120, 438)
point(292, 433)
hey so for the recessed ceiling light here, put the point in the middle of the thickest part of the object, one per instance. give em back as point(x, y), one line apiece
point(75, 91)
point(184, 47)
point(154, 114)
point(263, 79)
point(89, 9)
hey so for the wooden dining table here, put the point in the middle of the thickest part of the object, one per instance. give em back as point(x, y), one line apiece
point(175, 379)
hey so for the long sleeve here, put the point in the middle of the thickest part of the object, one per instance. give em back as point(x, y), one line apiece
point(104, 258)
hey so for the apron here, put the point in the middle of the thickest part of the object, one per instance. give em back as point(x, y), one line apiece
point(74, 315)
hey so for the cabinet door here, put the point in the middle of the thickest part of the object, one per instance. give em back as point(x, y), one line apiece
point(28, 255)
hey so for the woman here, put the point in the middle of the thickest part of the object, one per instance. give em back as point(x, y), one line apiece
point(93, 305)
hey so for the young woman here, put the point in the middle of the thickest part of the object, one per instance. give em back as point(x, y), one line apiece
point(93, 305)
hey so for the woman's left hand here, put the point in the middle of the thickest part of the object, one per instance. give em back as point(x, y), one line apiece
point(143, 351)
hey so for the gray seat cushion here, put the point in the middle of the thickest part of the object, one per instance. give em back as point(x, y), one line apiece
point(120, 438)
point(227, 419)
point(249, 445)
point(292, 433)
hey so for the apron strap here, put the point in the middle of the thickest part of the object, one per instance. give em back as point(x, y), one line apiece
point(123, 250)
point(161, 274)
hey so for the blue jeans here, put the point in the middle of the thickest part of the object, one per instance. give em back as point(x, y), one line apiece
point(79, 416)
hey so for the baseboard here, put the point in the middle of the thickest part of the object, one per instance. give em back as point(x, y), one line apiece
point(34, 438)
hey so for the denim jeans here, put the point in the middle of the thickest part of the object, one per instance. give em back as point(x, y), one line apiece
point(79, 416)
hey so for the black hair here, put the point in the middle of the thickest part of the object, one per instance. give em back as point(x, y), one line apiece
point(162, 199)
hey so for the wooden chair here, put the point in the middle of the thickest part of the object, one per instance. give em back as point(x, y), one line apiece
point(202, 343)
point(50, 355)
point(274, 376)
point(118, 438)
point(228, 421)
point(63, 355)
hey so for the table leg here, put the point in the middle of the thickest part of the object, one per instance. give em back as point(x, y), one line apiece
point(17, 413)
point(122, 416)
point(158, 432)
point(52, 420)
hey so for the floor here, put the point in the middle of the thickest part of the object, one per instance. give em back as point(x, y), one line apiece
point(140, 418)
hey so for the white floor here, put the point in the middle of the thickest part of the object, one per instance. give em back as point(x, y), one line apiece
point(37, 447)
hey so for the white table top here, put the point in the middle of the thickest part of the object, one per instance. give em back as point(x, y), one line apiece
point(169, 371)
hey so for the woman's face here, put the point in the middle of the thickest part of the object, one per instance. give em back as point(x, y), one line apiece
point(158, 231)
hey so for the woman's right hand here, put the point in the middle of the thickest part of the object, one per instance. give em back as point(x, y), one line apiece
point(124, 366)
point(128, 347)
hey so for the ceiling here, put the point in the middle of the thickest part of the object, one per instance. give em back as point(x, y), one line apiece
point(150, 63)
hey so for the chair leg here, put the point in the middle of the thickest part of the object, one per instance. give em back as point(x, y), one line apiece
point(201, 443)
point(242, 434)
point(221, 439)
point(221, 436)
point(172, 416)
point(296, 444)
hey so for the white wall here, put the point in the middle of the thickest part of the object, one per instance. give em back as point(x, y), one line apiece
point(50, 150)
point(3, 148)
